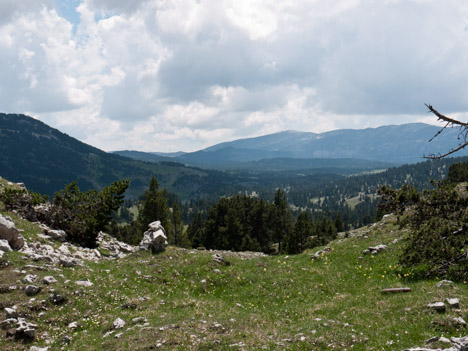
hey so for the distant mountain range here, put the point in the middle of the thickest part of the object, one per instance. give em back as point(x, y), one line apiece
point(46, 159)
point(398, 144)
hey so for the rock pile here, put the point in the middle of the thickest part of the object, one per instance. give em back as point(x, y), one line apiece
point(456, 344)
point(374, 249)
point(154, 238)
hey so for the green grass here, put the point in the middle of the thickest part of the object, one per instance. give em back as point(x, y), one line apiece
point(273, 303)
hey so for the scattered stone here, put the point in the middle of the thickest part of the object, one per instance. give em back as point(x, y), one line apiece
point(374, 249)
point(49, 280)
point(4, 246)
point(10, 233)
point(437, 306)
point(30, 278)
point(217, 258)
point(57, 299)
point(25, 330)
point(444, 283)
point(457, 321)
point(118, 324)
point(11, 313)
point(462, 343)
point(73, 325)
point(32, 290)
point(154, 238)
point(444, 340)
point(85, 283)
point(139, 320)
point(432, 340)
point(59, 235)
point(63, 249)
point(453, 303)
point(67, 262)
point(319, 254)
point(36, 348)
point(217, 326)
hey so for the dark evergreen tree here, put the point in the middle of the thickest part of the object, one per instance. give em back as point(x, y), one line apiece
point(154, 208)
point(196, 231)
point(296, 242)
point(281, 219)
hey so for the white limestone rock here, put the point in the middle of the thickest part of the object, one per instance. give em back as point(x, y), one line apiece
point(437, 306)
point(4, 246)
point(85, 283)
point(49, 280)
point(154, 238)
point(10, 233)
point(30, 278)
point(118, 324)
point(453, 303)
point(59, 235)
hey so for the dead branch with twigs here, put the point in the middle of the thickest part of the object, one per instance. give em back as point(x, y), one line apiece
point(450, 122)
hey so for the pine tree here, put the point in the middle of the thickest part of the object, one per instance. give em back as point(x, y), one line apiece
point(154, 208)
point(296, 242)
point(196, 231)
point(178, 233)
point(281, 219)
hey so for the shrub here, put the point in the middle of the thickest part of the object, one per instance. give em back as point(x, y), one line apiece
point(437, 243)
point(83, 215)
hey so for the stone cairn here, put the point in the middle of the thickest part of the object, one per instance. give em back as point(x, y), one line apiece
point(154, 238)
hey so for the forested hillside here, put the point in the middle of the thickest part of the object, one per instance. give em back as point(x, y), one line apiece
point(46, 159)
point(353, 197)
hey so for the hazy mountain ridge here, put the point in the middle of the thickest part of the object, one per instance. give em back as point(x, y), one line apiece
point(406, 143)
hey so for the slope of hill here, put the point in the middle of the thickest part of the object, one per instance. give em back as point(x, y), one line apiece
point(46, 159)
point(183, 300)
point(406, 143)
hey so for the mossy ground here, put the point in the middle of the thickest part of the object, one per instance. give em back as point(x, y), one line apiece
point(272, 303)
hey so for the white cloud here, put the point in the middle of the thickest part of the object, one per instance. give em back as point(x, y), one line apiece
point(166, 75)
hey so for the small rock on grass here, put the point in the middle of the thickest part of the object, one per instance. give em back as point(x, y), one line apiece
point(85, 283)
point(32, 290)
point(453, 303)
point(444, 283)
point(119, 323)
point(49, 280)
point(30, 278)
point(437, 306)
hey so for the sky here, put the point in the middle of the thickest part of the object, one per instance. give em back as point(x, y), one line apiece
point(170, 75)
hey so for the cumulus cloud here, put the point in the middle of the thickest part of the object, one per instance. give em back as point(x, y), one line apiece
point(167, 75)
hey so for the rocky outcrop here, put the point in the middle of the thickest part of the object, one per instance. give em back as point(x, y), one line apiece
point(456, 344)
point(374, 249)
point(10, 233)
point(154, 238)
point(69, 255)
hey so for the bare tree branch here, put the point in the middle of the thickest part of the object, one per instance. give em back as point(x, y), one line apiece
point(450, 122)
point(438, 157)
point(445, 118)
